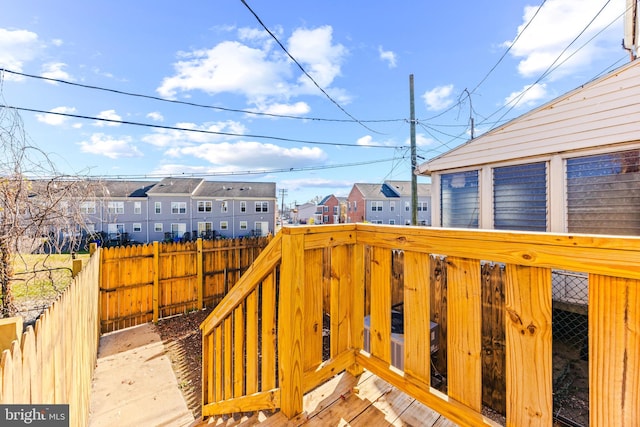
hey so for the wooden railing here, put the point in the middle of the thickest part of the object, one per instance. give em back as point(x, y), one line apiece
point(279, 300)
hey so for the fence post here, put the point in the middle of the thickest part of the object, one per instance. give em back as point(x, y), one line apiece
point(156, 280)
point(199, 267)
point(76, 267)
point(290, 340)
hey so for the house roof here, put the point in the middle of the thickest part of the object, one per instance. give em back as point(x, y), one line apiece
point(601, 112)
point(127, 188)
point(175, 186)
point(224, 189)
point(370, 191)
point(391, 189)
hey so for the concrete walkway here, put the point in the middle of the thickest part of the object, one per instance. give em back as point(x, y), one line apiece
point(134, 383)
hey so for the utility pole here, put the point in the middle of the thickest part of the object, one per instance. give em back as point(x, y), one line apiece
point(414, 178)
point(283, 192)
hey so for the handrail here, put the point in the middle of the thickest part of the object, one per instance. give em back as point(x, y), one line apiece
point(302, 266)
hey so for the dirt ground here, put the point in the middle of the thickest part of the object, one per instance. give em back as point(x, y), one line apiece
point(183, 340)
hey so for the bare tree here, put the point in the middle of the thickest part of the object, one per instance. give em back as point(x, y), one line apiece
point(39, 207)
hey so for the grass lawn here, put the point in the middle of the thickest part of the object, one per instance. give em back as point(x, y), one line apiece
point(41, 276)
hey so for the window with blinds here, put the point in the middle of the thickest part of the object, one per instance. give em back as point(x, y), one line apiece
point(459, 199)
point(603, 194)
point(520, 197)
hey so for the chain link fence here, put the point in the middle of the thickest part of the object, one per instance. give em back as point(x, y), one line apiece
point(570, 348)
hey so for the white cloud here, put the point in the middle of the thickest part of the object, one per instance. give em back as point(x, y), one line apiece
point(389, 56)
point(16, 48)
point(423, 141)
point(557, 24)
point(178, 138)
point(228, 67)
point(296, 109)
point(108, 146)
point(254, 68)
point(529, 96)
point(438, 98)
point(54, 119)
point(319, 56)
point(108, 115)
point(155, 116)
point(54, 70)
point(248, 155)
point(368, 141)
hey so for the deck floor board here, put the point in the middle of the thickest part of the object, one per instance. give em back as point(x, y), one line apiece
point(348, 401)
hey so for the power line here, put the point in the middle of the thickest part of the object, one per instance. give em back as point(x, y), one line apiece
point(194, 104)
point(295, 61)
point(508, 49)
point(240, 173)
point(553, 65)
point(155, 126)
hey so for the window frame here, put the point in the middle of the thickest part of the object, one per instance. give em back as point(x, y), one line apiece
point(178, 208)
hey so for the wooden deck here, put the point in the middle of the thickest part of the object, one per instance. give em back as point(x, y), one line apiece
point(348, 401)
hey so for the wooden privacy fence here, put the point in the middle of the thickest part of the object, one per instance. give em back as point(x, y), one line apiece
point(53, 363)
point(263, 345)
point(145, 283)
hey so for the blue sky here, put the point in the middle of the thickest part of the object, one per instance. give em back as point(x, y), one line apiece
point(348, 123)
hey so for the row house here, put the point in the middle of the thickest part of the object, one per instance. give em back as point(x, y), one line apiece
point(388, 203)
point(333, 210)
point(181, 208)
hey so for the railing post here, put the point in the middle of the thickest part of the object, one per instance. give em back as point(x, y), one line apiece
point(156, 280)
point(357, 305)
point(200, 273)
point(290, 340)
point(76, 267)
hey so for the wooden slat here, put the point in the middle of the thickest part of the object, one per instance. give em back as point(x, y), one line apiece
point(417, 352)
point(218, 367)
point(529, 346)
point(238, 351)
point(614, 351)
point(464, 339)
point(268, 344)
point(341, 259)
point(31, 381)
point(493, 338)
point(313, 312)
point(228, 358)
point(252, 343)
point(290, 339)
point(380, 326)
point(263, 400)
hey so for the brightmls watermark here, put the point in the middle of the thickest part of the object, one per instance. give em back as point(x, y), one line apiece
point(34, 415)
